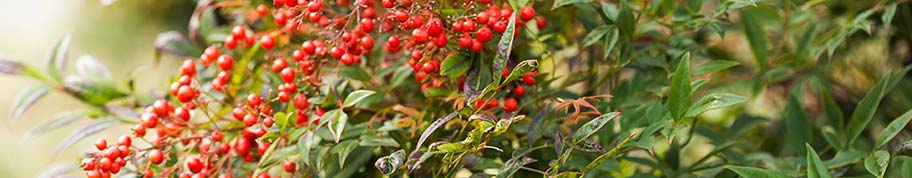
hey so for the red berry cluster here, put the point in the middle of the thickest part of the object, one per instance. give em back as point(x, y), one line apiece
point(509, 104)
point(345, 36)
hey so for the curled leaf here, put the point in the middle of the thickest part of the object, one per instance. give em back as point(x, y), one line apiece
point(390, 163)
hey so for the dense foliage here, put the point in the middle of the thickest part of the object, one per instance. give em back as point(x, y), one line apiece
point(562, 88)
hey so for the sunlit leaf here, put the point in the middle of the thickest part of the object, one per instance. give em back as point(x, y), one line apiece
point(715, 101)
point(876, 163)
point(595, 35)
point(593, 126)
point(715, 66)
point(355, 97)
point(26, 98)
point(343, 149)
point(680, 96)
point(455, 65)
point(559, 3)
point(868, 105)
point(893, 129)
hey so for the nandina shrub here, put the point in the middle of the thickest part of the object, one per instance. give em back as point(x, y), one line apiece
point(564, 88)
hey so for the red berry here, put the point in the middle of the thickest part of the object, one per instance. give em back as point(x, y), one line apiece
point(482, 18)
point(479, 104)
point(238, 32)
point(527, 13)
point(182, 113)
point(238, 113)
point(290, 166)
point(263, 175)
point(484, 34)
point(519, 90)
point(283, 96)
point(125, 141)
point(101, 144)
point(139, 130)
point(195, 165)
point(262, 10)
point(149, 120)
point(188, 68)
point(254, 100)
point(156, 156)
point(529, 79)
point(278, 3)
point(468, 26)
point(230, 42)
point(401, 15)
point(491, 104)
point(185, 93)
point(280, 19)
point(242, 146)
point(476, 46)
point(93, 174)
point(420, 35)
point(336, 52)
point(262, 147)
point(510, 105)
point(367, 25)
point(347, 59)
point(541, 22)
point(308, 47)
point(278, 64)
point(367, 42)
point(249, 120)
point(87, 164)
point(225, 62)
point(300, 101)
point(465, 41)
point(435, 27)
point(267, 42)
point(288, 75)
point(440, 40)
point(429, 67)
point(500, 26)
point(105, 163)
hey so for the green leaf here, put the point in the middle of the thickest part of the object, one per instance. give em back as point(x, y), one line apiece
point(26, 98)
point(437, 92)
point(893, 129)
point(756, 36)
point(867, 107)
point(595, 35)
point(887, 17)
point(370, 140)
point(354, 72)
point(89, 67)
point(593, 126)
point(816, 168)
point(753, 172)
point(845, 157)
point(355, 97)
point(715, 101)
point(455, 65)
point(610, 42)
point(626, 21)
point(85, 131)
point(559, 3)
point(521, 69)
point(305, 143)
point(60, 120)
point(797, 124)
point(176, 44)
point(803, 50)
point(400, 76)
point(876, 164)
point(715, 66)
point(504, 47)
point(57, 58)
point(680, 96)
point(390, 163)
point(343, 149)
point(337, 121)
point(512, 166)
point(433, 127)
point(832, 111)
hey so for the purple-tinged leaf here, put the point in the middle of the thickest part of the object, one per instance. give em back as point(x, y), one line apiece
point(26, 98)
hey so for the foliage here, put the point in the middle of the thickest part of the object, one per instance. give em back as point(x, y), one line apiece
point(562, 88)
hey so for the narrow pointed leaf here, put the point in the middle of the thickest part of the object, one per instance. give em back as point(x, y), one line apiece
point(867, 107)
point(753, 172)
point(559, 3)
point(455, 65)
point(504, 47)
point(26, 98)
point(521, 69)
point(715, 101)
point(877, 163)
point(87, 130)
point(343, 150)
point(57, 58)
point(593, 126)
point(680, 96)
point(355, 97)
point(815, 168)
point(893, 129)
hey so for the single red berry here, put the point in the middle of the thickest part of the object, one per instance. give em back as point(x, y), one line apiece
point(435, 27)
point(101, 144)
point(264, 175)
point(484, 34)
point(300, 101)
point(93, 174)
point(225, 62)
point(529, 79)
point(280, 19)
point(468, 26)
point(519, 90)
point(268, 121)
point(278, 64)
point(465, 41)
point(440, 40)
point(195, 165)
point(367, 25)
point(500, 26)
point(139, 130)
point(242, 146)
point(510, 105)
point(479, 104)
point(238, 32)
point(388, 3)
point(288, 75)
point(238, 113)
point(87, 164)
point(290, 166)
point(492, 104)
point(249, 40)
point(254, 100)
point(541, 22)
point(308, 47)
point(314, 6)
point(429, 67)
point(188, 68)
point(291, 3)
point(149, 120)
point(262, 10)
point(367, 42)
point(527, 13)
point(182, 113)
point(105, 163)
point(482, 17)
point(262, 147)
point(156, 156)
point(185, 94)
point(230, 42)
point(336, 52)
point(278, 3)
point(267, 42)
point(125, 141)
point(401, 15)
point(217, 136)
point(476, 46)
point(420, 35)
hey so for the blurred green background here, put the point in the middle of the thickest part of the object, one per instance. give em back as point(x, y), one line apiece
point(120, 35)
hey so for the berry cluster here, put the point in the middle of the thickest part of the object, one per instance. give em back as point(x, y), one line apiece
point(191, 118)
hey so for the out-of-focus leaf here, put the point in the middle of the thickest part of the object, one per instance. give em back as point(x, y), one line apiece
point(816, 168)
point(887, 17)
point(390, 163)
point(893, 128)
point(434, 125)
point(354, 72)
point(57, 170)
point(867, 107)
point(87, 130)
point(60, 120)
point(26, 98)
point(753, 172)
point(626, 21)
point(876, 163)
point(803, 50)
point(88, 66)
point(455, 65)
point(559, 3)
point(595, 35)
point(845, 157)
point(715, 66)
point(176, 44)
point(715, 101)
point(368, 140)
point(92, 91)
point(833, 112)
point(904, 149)
point(680, 96)
point(504, 47)
point(797, 125)
point(400, 76)
point(611, 41)
point(756, 36)
point(57, 58)
point(355, 97)
point(521, 69)
point(9, 66)
point(608, 155)
point(512, 166)
point(305, 143)
point(343, 149)
point(202, 21)
point(907, 162)
point(593, 126)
